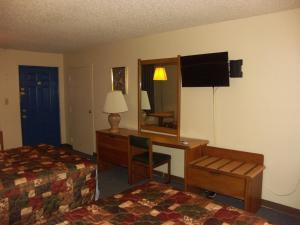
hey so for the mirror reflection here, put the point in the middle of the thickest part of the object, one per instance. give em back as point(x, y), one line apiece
point(159, 97)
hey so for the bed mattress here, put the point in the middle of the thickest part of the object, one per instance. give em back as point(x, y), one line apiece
point(154, 203)
point(41, 181)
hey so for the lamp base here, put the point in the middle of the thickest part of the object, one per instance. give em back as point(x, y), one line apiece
point(114, 120)
point(144, 116)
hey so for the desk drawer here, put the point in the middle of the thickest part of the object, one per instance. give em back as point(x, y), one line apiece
point(112, 148)
point(217, 182)
point(114, 156)
point(112, 141)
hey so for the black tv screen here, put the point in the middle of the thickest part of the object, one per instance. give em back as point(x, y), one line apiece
point(205, 70)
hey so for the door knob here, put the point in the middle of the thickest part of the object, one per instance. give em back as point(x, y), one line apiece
point(90, 111)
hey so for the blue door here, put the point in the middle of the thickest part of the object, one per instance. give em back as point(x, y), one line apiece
point(39, 101)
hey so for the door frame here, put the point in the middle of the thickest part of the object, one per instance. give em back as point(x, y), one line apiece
point(58, 93)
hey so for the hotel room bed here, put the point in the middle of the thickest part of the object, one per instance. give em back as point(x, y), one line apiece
point(38, 182)
point(154, 203)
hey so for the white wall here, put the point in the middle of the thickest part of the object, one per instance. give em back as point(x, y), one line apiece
point(257, 113)
point(10, 121)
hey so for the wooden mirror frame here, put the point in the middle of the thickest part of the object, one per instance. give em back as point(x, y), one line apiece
point(165, 61)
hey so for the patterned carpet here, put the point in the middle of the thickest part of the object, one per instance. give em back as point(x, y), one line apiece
point(115, 180)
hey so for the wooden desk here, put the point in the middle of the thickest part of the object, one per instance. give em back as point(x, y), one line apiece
point(1, 140)
point(113, 147)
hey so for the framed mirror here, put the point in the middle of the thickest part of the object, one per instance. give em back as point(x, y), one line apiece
point(159, 96)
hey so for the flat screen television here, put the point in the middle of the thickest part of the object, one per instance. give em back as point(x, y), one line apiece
point(205, 70)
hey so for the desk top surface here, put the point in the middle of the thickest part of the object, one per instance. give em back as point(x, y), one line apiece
point(161, 114)
point(162, 140)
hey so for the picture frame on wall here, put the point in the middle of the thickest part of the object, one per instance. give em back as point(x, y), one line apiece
point(119, 79)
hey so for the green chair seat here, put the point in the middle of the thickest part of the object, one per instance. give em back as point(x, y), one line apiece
point(157, 158)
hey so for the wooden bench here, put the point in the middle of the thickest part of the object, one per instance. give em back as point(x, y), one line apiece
point(229, 172)
point(1, 141)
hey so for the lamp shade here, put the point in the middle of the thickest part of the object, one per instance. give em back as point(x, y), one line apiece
point(115, 102)
point(160, 74)
point(145, 100)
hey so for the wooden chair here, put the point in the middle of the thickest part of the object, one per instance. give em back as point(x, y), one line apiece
point(142, 160)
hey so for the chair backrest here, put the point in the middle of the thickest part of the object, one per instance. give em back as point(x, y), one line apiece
point(140, 142)
point(138, 145)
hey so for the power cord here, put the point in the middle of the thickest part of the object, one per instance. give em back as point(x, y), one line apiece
point(214, 122)
point(285, 194)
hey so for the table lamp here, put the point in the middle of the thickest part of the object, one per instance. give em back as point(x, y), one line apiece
point(145, 104)
point(160, 73)
point(114, 104)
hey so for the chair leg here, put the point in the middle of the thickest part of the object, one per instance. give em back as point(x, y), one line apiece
point(169, 171)
point(130, 174)
point(150, 172)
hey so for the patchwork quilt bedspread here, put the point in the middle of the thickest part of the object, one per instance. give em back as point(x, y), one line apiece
point(38, 182)
point(154, 203)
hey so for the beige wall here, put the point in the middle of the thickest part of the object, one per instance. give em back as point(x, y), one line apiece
point(10, 121)
point(258, 113)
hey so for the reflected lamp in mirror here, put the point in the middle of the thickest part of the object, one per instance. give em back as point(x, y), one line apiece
point(160, 74)
point(114, 104)
point(145, 104)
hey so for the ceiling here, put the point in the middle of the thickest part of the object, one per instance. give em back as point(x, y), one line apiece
point(70, 25)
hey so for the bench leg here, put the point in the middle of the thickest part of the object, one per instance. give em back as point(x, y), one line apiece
point(253, 193)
